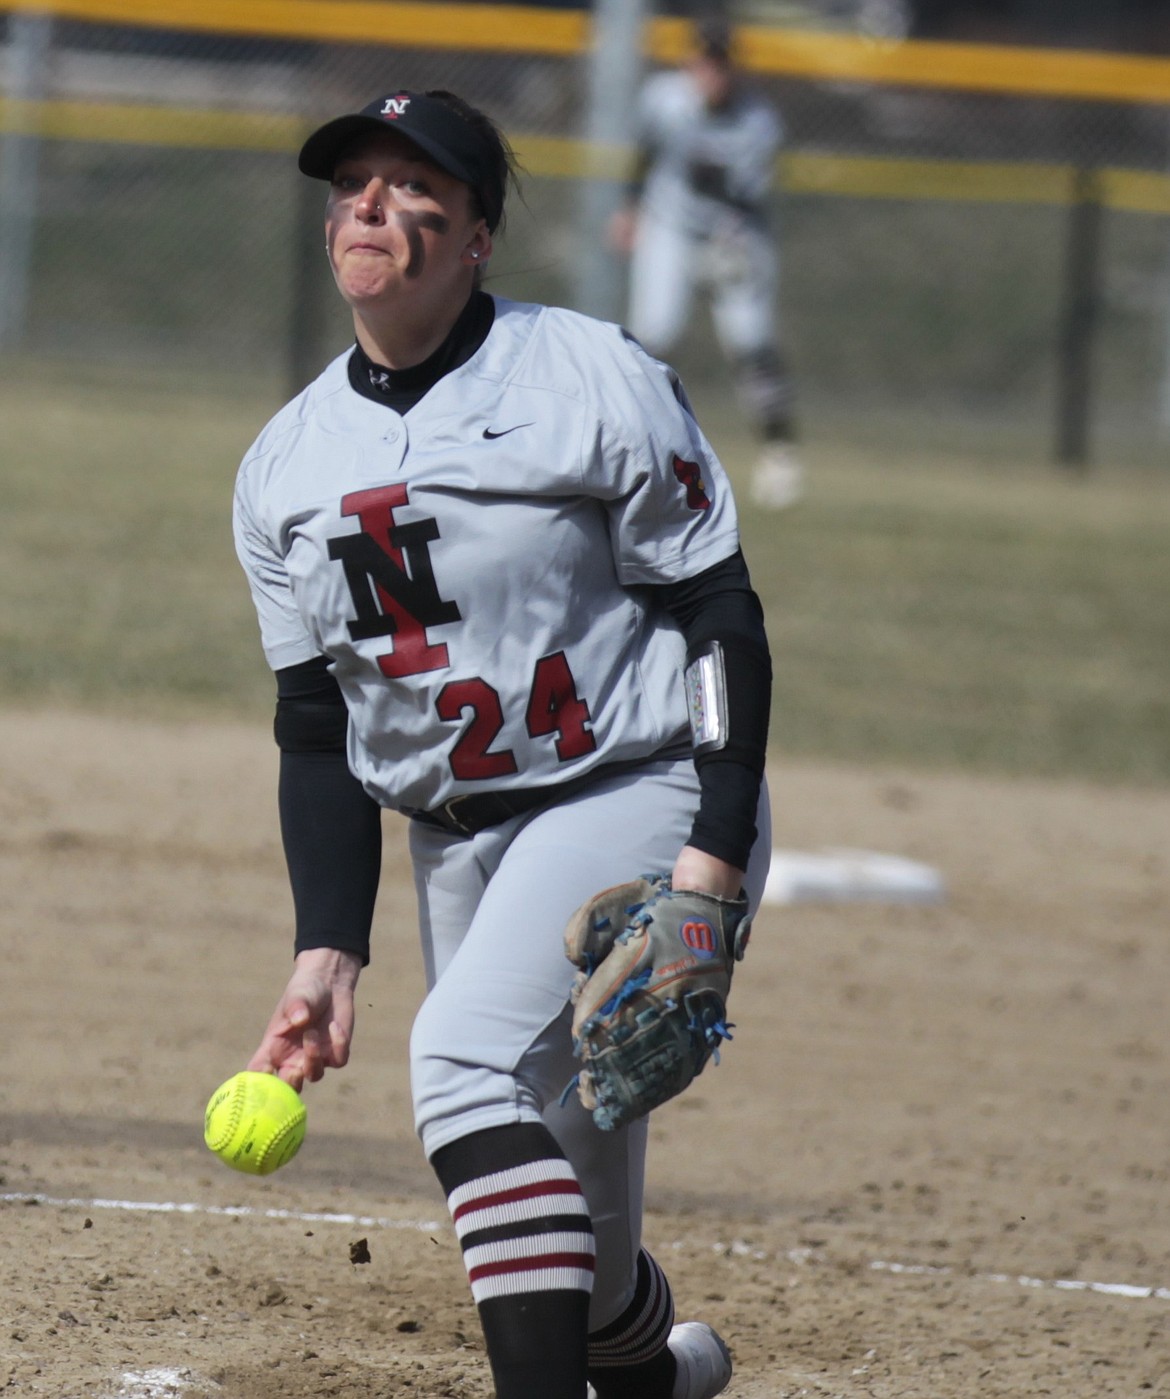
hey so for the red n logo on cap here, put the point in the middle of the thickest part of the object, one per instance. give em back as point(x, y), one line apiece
point(395, 107)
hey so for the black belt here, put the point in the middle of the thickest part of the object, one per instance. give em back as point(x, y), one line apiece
point(472, 812)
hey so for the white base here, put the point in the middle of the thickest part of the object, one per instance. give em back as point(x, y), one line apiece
point(849, 876)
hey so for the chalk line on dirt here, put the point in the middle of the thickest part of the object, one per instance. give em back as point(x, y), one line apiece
point(231, 1211)
point(165, 1382)
point(1110, 1289)
point(736, 1247)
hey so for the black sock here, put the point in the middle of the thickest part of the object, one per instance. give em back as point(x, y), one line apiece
point(629, 1359)
point(527, 1242)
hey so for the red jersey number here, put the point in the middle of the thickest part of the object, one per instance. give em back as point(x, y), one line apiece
point(554, 708)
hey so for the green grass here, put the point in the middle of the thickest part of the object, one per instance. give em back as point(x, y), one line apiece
point(925, 607)
point(950, 613)
point(119, 582)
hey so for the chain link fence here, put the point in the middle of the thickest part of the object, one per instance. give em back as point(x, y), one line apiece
point(959, 266)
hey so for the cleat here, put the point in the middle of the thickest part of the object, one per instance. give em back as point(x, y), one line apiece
point(778, 480)
point(704, 1363)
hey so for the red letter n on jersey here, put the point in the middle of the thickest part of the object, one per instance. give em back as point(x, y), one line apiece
point(388, 571)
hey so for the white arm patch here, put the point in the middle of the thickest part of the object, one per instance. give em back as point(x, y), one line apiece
point(706, 685)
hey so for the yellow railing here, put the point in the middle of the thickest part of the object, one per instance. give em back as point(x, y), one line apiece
point(985, 182)
point(146, 124)
point(531, 30)
point(512, 28)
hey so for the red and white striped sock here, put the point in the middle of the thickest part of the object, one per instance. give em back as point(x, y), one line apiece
point(524, 1229)
point(527, 1242)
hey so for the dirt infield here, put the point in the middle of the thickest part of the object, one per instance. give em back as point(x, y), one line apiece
point(935, 1162)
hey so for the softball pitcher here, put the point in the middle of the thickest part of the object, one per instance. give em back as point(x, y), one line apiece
point(497, 574)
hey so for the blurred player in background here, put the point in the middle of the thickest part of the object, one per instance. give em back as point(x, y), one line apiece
point(696, 216)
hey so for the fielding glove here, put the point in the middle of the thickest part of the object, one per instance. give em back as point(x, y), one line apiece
point(650, 996)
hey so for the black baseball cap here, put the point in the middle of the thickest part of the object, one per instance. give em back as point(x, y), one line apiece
point(713, 37)
point(439, 131)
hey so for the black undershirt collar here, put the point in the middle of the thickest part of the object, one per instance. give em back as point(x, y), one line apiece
point(401, 389)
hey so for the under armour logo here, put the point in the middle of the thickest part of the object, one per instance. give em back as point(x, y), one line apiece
point(380, 379)
point(395, 107)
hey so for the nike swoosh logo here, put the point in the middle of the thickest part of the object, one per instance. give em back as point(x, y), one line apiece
point(491, 436)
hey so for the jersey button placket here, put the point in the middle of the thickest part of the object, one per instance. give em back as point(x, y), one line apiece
point(396, 441)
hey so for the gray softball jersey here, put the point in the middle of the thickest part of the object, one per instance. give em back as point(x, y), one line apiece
point(683, 139)
point(475, 570)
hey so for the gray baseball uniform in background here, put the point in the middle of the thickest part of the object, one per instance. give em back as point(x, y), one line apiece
point(705, 173)
point(704, 215)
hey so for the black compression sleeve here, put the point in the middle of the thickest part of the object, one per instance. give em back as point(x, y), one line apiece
point(332, 835)
point(311, 716)
point(332, 831)
point(721, 605)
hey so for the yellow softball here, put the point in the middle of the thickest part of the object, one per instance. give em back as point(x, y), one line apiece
point(254, 1122)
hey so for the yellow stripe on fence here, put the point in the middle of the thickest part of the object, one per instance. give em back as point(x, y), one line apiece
point(142, 124)
point(1022, 72)
point(1136, 191)
point(560, 157)
point(983, 182)
point(980, 182)
point(506, 28)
